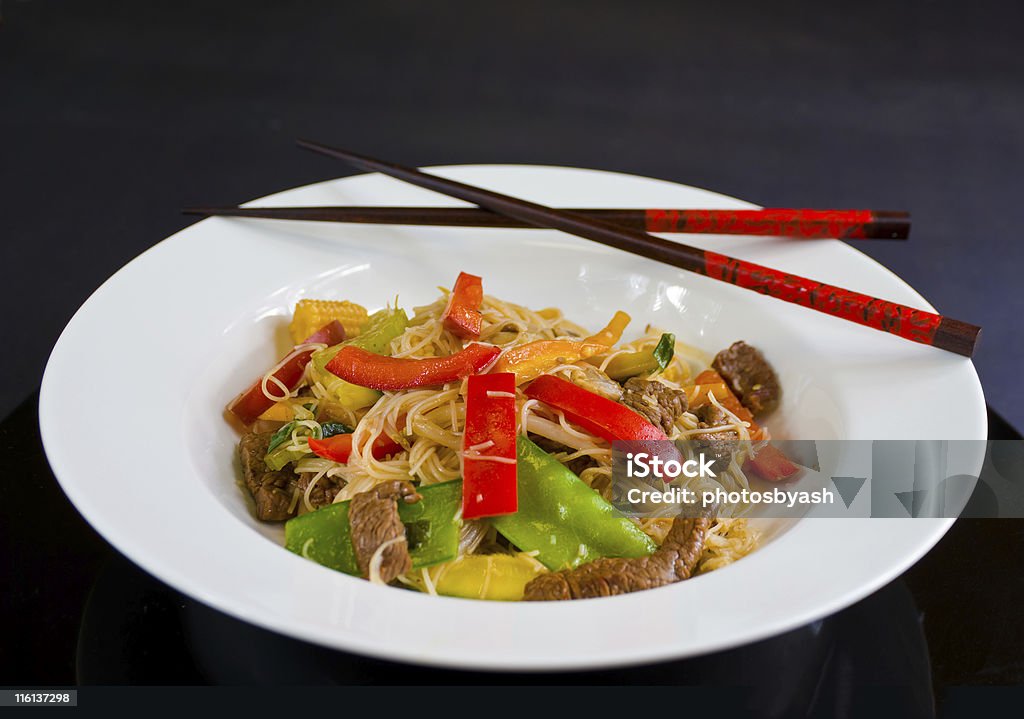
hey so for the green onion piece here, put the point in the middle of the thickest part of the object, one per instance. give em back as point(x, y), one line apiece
point(329, 429)
point(280, 436)
point(665, 350)
point(623, 366)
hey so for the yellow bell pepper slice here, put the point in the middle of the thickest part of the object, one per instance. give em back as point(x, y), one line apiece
point(533, 359)
point(279, 412)
point(500, 577)
point(612, 332)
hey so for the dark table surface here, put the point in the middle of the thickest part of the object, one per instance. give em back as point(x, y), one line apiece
point(76, 611)
point(116, 114)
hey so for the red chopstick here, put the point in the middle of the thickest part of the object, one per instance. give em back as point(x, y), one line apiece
point(803, 224)
point(906, 322)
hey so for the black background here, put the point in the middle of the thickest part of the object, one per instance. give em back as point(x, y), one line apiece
point(116, 114)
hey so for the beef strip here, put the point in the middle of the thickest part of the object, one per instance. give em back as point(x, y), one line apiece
point(719, 445)
point(323, 491)
point(672, 562)
point(272, 491)
point(657, 402)
point(750, 376)
point(373, 520)
point(274, 497)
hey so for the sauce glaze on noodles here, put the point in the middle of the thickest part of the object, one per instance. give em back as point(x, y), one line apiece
point(429, 423)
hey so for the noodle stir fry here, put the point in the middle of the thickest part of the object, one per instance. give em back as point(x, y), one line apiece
point(466, 450)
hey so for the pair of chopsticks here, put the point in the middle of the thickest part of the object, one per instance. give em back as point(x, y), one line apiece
point(906, 322)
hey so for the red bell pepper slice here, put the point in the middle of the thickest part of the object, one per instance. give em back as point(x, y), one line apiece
point(367, 369)
point(462, 315)
point(330, 334)
point(339, 447)
point(488, 477)
point(599, 415)
point(771, 465)
point(249, 405)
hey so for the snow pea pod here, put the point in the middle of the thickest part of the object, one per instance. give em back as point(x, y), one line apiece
point(431, 528)
point(562, 519)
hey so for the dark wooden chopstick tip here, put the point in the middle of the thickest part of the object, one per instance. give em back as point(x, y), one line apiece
point(888, 225)
point(316, 146)
point(956, 336)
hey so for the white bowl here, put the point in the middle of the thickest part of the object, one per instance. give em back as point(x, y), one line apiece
point(131, 401)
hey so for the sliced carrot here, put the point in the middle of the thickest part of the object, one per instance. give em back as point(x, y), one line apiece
point(710, 381)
